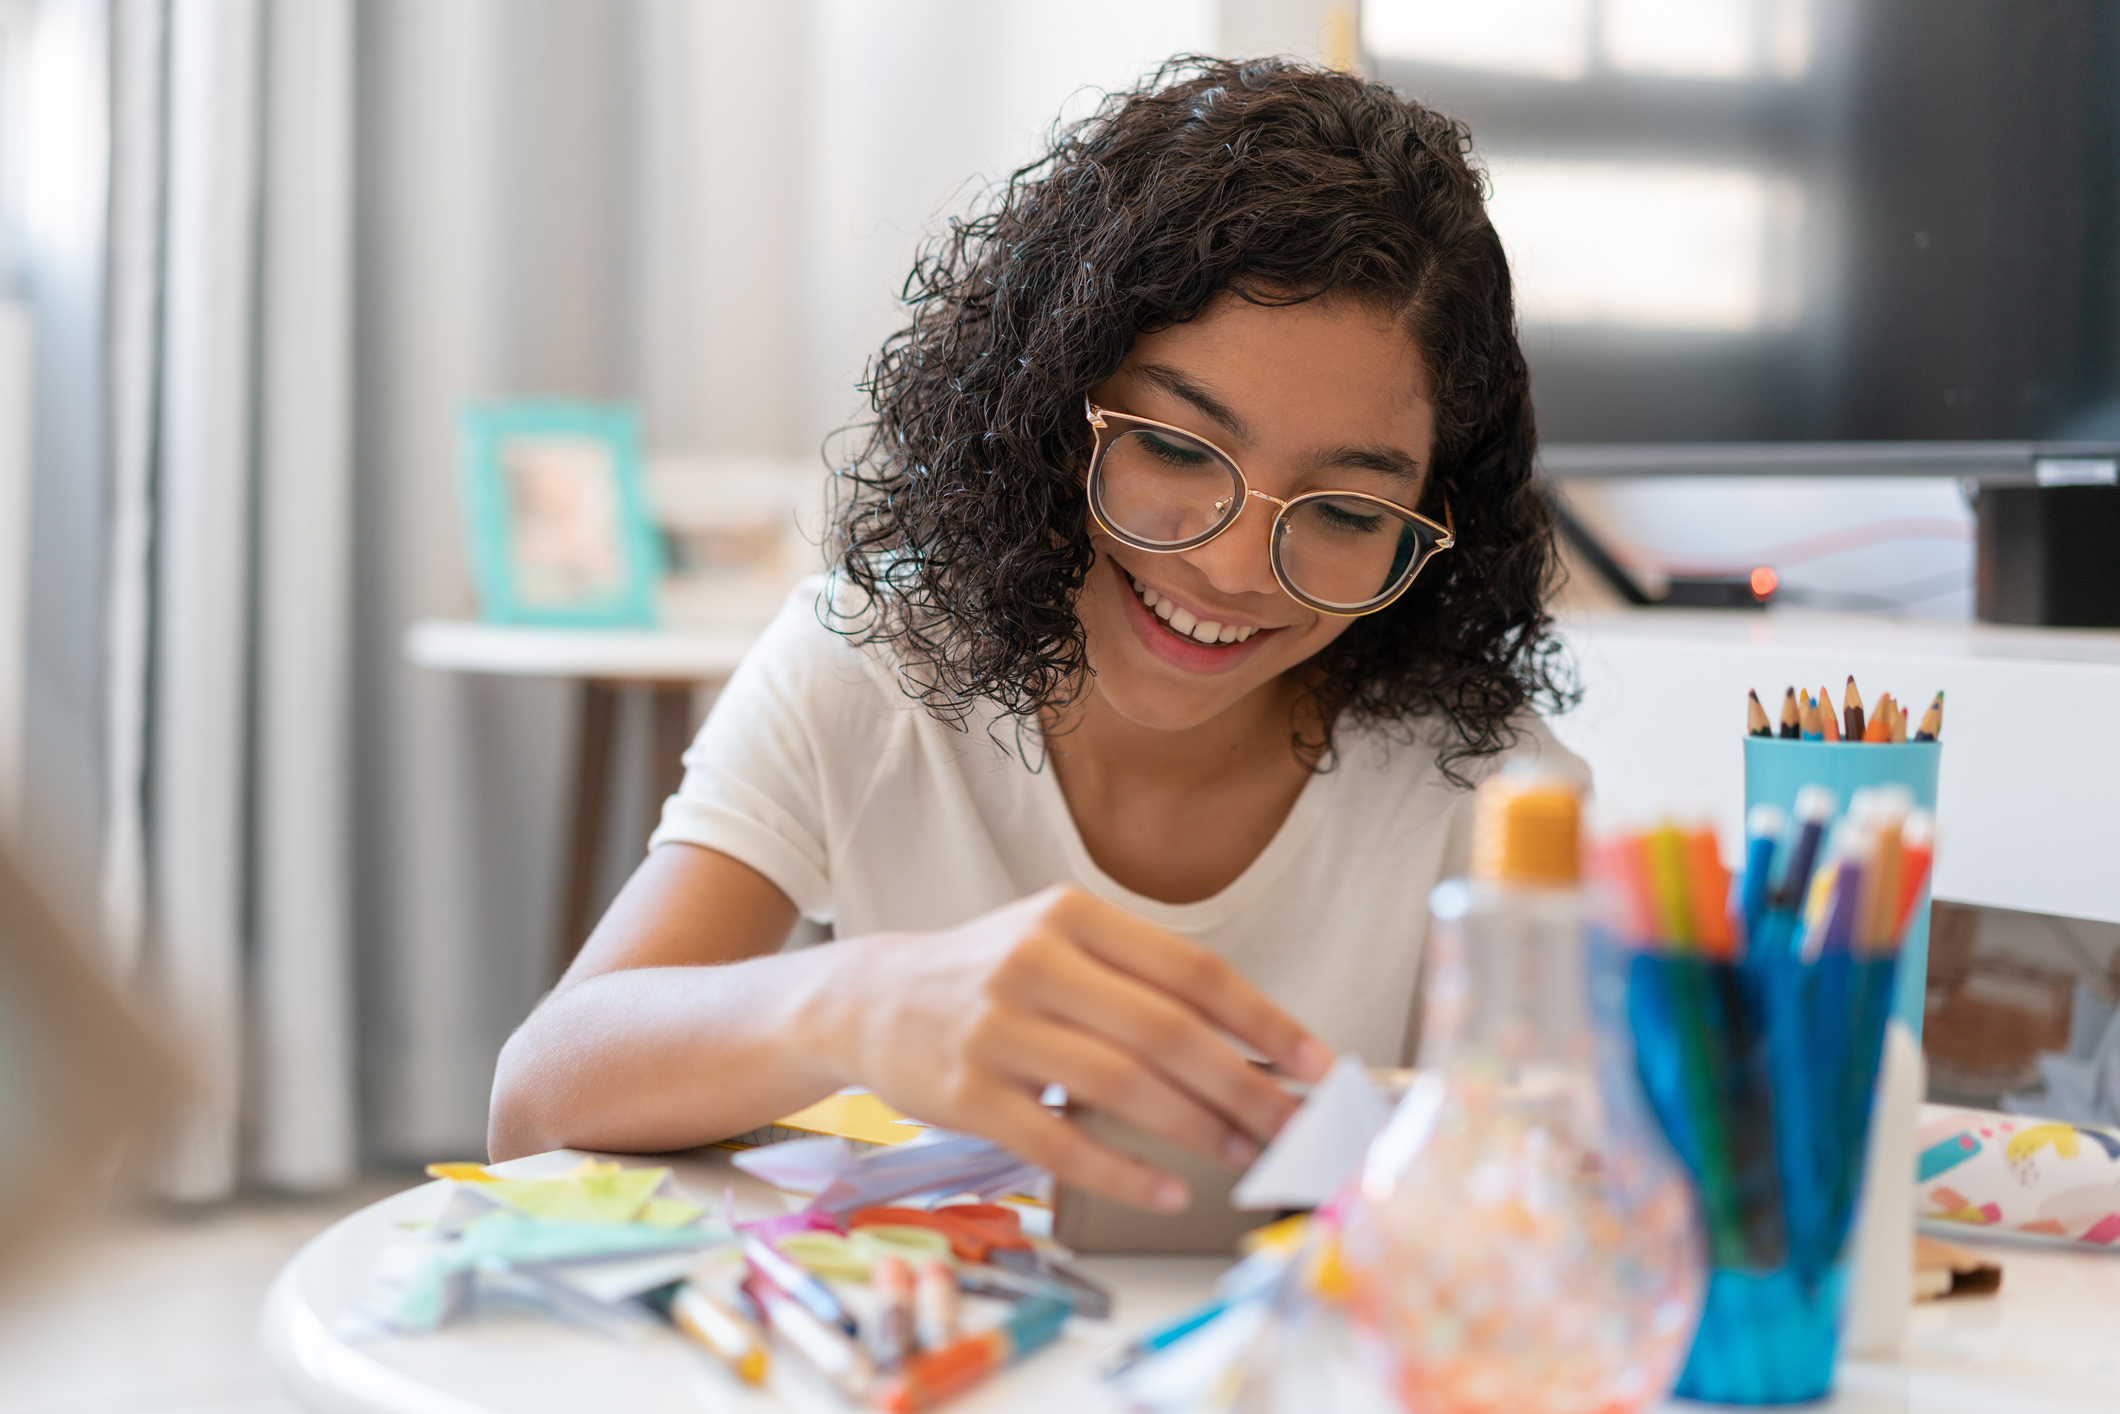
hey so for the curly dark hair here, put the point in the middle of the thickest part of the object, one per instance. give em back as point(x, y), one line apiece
point(960, 524)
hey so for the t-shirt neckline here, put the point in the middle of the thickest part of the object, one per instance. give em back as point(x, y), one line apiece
point(1201, 914)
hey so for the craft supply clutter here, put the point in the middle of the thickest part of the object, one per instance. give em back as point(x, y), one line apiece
point(1629, 1162)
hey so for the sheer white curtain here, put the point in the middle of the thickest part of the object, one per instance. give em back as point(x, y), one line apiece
point(225, 873)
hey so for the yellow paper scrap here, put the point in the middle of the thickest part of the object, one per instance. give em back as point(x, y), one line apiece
point(462, 1173)
point(669, 1212)
point(861, 1117)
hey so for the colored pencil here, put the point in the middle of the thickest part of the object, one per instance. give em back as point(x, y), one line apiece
point(1899, 724)
point(1807, 720)
point(1931, 728)
point(1879, 727)
point(1791, 720)
point(1665, 850)
point(1814, 807)
point(1828, 716)
point(1708, 892)
point(1763, 827)
point(1756, 723)
point(1851, 712)
point(1918, 843)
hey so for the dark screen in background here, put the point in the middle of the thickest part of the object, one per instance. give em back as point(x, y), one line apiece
point(1956, 266)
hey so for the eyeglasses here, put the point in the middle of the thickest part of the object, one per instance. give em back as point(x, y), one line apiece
point(1160, 488)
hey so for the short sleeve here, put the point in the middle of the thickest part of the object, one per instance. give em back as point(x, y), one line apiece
point(757, 784)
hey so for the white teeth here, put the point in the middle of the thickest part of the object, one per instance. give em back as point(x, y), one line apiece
point(1186, 622)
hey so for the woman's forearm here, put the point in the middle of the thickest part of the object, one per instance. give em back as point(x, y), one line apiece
point(652, 1059)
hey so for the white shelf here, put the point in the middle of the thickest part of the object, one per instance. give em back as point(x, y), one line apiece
point(703, 654)
point(2029, 797)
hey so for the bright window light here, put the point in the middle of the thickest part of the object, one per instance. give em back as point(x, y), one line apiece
point(1706, 39)
point(1546, 38)
point(1788, 31)
point(1646, 246)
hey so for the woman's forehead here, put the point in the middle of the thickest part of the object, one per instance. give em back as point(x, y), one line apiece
point(1247, 372)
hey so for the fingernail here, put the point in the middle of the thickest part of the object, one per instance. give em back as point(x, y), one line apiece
point(1236, 1149)
point(1312, 1059)
point(1170, 1194)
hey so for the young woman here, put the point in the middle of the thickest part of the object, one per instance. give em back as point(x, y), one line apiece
point(1191, 573)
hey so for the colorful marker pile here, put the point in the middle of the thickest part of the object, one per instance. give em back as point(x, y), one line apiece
point(1758, 1014)
point(1808, 718)
point(897, 1308)
point(877, 1307)
point(878, 1301)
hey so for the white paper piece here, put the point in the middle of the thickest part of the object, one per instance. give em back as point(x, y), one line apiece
point(1882, 1291)
point(803, 1166)
point(1321, 1146)
point(613, 1282)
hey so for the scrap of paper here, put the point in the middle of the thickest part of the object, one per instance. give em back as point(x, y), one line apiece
point(507, 1241)
point(852, 1114)
point(593, 1191)
point(1321, 1146)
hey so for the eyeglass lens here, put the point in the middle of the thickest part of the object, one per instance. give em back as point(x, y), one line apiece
point(1161, 488)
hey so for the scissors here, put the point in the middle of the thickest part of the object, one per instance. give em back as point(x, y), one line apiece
point(991, 1233)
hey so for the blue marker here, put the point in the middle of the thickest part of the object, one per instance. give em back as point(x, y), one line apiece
point(1763, 826)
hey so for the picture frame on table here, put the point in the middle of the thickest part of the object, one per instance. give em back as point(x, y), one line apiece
point(557, 526)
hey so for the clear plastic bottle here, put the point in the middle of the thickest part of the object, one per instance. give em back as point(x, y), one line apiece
point(1523, 1241)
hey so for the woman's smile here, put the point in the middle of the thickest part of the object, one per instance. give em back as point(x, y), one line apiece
point(1184, 636)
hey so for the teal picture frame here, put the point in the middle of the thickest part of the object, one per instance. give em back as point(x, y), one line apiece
point(558, 531)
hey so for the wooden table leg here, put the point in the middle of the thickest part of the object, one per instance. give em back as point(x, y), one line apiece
point(673, 733)
point(592, 768)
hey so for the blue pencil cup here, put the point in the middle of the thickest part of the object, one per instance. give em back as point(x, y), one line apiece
point(1761, 1073)
point(1776, 769)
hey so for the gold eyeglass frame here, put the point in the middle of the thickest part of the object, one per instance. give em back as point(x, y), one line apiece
point(1103, 435)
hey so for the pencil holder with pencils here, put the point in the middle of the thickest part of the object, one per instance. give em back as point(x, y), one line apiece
point(1761, 1072)
point(1776, 771)
point(1758, 1017)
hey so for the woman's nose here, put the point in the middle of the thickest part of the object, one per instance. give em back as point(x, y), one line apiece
point(1237, 561)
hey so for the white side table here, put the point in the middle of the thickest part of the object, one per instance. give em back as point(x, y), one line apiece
point(670, 663)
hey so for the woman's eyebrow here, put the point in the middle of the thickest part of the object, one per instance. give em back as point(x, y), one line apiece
point(1178, 385)
point(1385, 460)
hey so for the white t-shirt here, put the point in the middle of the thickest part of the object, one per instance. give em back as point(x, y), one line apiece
point(815, 769)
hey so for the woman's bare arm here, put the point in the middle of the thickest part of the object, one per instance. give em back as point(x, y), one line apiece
point(671, 1027)
point(680, 1024)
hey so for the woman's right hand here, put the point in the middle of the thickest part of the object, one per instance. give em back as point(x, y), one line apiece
point(965, 1028)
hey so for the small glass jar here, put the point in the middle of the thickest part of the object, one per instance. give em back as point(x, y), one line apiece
point(1523, 1240)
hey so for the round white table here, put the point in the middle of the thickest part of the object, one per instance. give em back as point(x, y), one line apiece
point(519, 1363)
point(2045, 1345)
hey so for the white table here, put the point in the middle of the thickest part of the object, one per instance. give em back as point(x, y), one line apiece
point(2029, 796)
point(2048, 1344)
point(669, 663)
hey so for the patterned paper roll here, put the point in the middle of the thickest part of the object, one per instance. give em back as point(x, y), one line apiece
point(2017, 1174)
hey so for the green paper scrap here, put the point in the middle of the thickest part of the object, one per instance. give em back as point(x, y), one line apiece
point(507, 1239)
point(606, 1195)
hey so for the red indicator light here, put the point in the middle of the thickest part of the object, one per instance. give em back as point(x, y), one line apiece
point(1763, 582)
